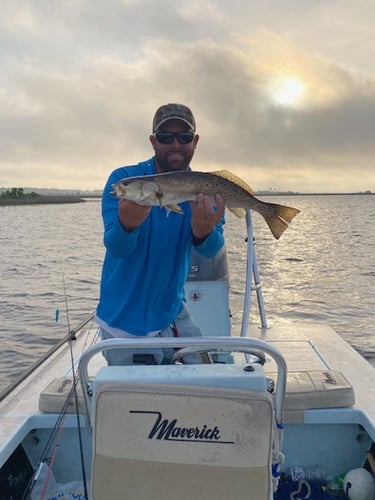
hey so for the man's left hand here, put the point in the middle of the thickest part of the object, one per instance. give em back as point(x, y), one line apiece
point(207, 211)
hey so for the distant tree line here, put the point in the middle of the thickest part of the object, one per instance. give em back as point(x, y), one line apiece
point(17, 194)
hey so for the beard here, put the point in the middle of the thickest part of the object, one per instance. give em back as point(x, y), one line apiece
point(173, 160)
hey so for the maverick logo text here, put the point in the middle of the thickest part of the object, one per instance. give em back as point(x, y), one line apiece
point(170, 430)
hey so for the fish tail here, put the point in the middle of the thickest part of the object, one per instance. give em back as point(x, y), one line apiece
point(279, 220)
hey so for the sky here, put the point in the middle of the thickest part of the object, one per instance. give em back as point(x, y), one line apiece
point(283, 91)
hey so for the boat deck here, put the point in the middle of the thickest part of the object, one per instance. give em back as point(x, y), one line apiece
point(318, 347)
point(306, 347)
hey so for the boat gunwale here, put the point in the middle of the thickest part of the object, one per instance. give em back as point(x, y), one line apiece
point(29, 371)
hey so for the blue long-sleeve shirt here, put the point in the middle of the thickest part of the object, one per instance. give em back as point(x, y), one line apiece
point(144, 270)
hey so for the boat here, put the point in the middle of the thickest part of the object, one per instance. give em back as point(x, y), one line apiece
point(280, 412)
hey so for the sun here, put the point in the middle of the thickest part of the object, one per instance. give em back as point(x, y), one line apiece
point(287, 91)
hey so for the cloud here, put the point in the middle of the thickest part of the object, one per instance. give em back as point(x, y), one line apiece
point(80, 83)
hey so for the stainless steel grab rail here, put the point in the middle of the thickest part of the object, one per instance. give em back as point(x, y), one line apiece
point(196, 344)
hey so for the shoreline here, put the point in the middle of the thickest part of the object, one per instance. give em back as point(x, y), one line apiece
point(42, 200)
point(61, 199)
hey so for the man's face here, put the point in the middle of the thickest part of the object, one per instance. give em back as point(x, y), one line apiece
point(176, 155)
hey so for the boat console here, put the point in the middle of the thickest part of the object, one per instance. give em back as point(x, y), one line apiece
point(206, 431)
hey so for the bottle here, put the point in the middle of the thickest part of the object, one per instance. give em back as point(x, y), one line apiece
point(310, 473)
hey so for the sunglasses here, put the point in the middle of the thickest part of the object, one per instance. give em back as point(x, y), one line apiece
point(168, 137)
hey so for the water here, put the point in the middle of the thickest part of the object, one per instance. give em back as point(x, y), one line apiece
point(321, 270)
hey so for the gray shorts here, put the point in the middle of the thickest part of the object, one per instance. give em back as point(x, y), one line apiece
point(185, 327)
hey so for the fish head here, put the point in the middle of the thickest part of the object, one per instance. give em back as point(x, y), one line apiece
point(138, 191)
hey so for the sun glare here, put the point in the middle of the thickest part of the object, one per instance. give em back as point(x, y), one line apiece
point(288, 91)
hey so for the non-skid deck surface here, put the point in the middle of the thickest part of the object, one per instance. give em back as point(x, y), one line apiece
point(304, 346)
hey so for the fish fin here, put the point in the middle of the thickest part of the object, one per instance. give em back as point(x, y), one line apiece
point(174, 208)
point(237, 211)
point(278, 222)
point(229, 176)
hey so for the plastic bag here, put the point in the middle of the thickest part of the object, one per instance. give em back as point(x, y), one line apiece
point(70, 491)
point(55, 491)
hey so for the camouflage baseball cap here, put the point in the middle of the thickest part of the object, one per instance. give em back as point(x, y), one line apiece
point(173, 111)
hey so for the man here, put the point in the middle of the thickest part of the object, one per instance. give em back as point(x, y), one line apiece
point(148, 249)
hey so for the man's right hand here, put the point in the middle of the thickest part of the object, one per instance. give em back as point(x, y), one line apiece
point(131, 215)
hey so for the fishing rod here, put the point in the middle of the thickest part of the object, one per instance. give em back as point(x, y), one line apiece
point(74, 388)
point(56, 432)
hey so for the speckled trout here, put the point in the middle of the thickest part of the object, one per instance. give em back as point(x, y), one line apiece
point(169, 189)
